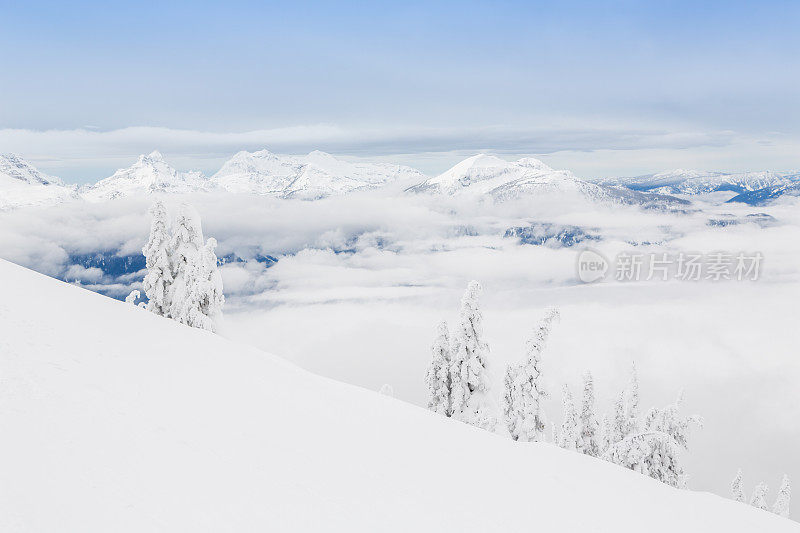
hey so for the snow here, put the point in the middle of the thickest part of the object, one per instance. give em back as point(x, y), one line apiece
point(309, 177)
point(115, 419)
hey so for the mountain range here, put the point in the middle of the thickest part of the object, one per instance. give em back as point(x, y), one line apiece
point(754, 188)
point(318, 175)
point(490, 176)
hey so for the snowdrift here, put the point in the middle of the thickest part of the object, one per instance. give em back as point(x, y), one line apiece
point(114, 419)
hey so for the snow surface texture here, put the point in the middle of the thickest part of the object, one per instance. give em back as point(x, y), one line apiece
point(22, 185)
point(183, 430)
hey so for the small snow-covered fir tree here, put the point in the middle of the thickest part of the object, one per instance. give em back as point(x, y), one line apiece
point(470, 398)
point(588, 441)
point(386, 390)
point(186, 242)
point(759, 497)
point(655, 450)
point(569, 433)
point(437, 378)
point(203, 299)
point(781, 506)
point(737, 489)
point(157, 284)
point(605, 438)
point(631, 425)
point(132, 297)
point(523, 387)
point(618, 424)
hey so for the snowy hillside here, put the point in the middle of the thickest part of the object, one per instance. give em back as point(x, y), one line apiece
point(117, 420)
point(308, 177)
point(22, 185)
point(699, 182)
point(150, 174)
point(502, 180)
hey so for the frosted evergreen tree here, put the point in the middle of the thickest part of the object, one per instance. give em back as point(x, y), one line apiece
point(523, 388)
point(619, 423)
point(386, 390)
point(157, 284)
point(200, 303)
point(759, 498)
point(470, 397)
point(632, 404)
point(132, 297)
point(569, 434)
point(437, 378)
point(781, 506)
point(655, 451)
point(737, 489)
point(606, 432)
point(588, 442)
point(186, 242)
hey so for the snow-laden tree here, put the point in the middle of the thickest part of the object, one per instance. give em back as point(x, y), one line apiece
point(186, 242)
point(570, 430)
point(737, 489)
point(523, 387)
point(759, 498)
point(132, 297)
point(386, 390)
point(588, 441)
point(781, 506)
point(655, 450)
point(618, 424)
point(157, 284)
point(200, 303)
point(631, 424)
point(437, 378)
point(606, 431)
point(470, 398)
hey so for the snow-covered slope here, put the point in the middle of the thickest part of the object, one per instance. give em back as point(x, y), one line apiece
point(22, 185)
point(115, 419)
point(309, 177)
point(150, 174)
point(502, 180)
point(700, 182)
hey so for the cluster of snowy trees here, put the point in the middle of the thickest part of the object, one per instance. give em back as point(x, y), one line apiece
point(459, 386)
point(182, 280)
point(759, 497)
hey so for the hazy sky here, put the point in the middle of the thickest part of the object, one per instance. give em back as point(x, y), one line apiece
point(600, 88)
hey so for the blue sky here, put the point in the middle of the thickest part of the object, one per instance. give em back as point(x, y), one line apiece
point(615, 87)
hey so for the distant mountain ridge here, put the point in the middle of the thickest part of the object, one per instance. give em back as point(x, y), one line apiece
point(501, 180)
point(23, 185)
point(310, 177)
point(319, 175)
point(150, 174)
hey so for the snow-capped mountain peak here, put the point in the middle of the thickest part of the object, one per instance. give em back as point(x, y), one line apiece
point(308, 177)
point(490, 176)
point(13, 166)
point(150, 174)
point(23, 185)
